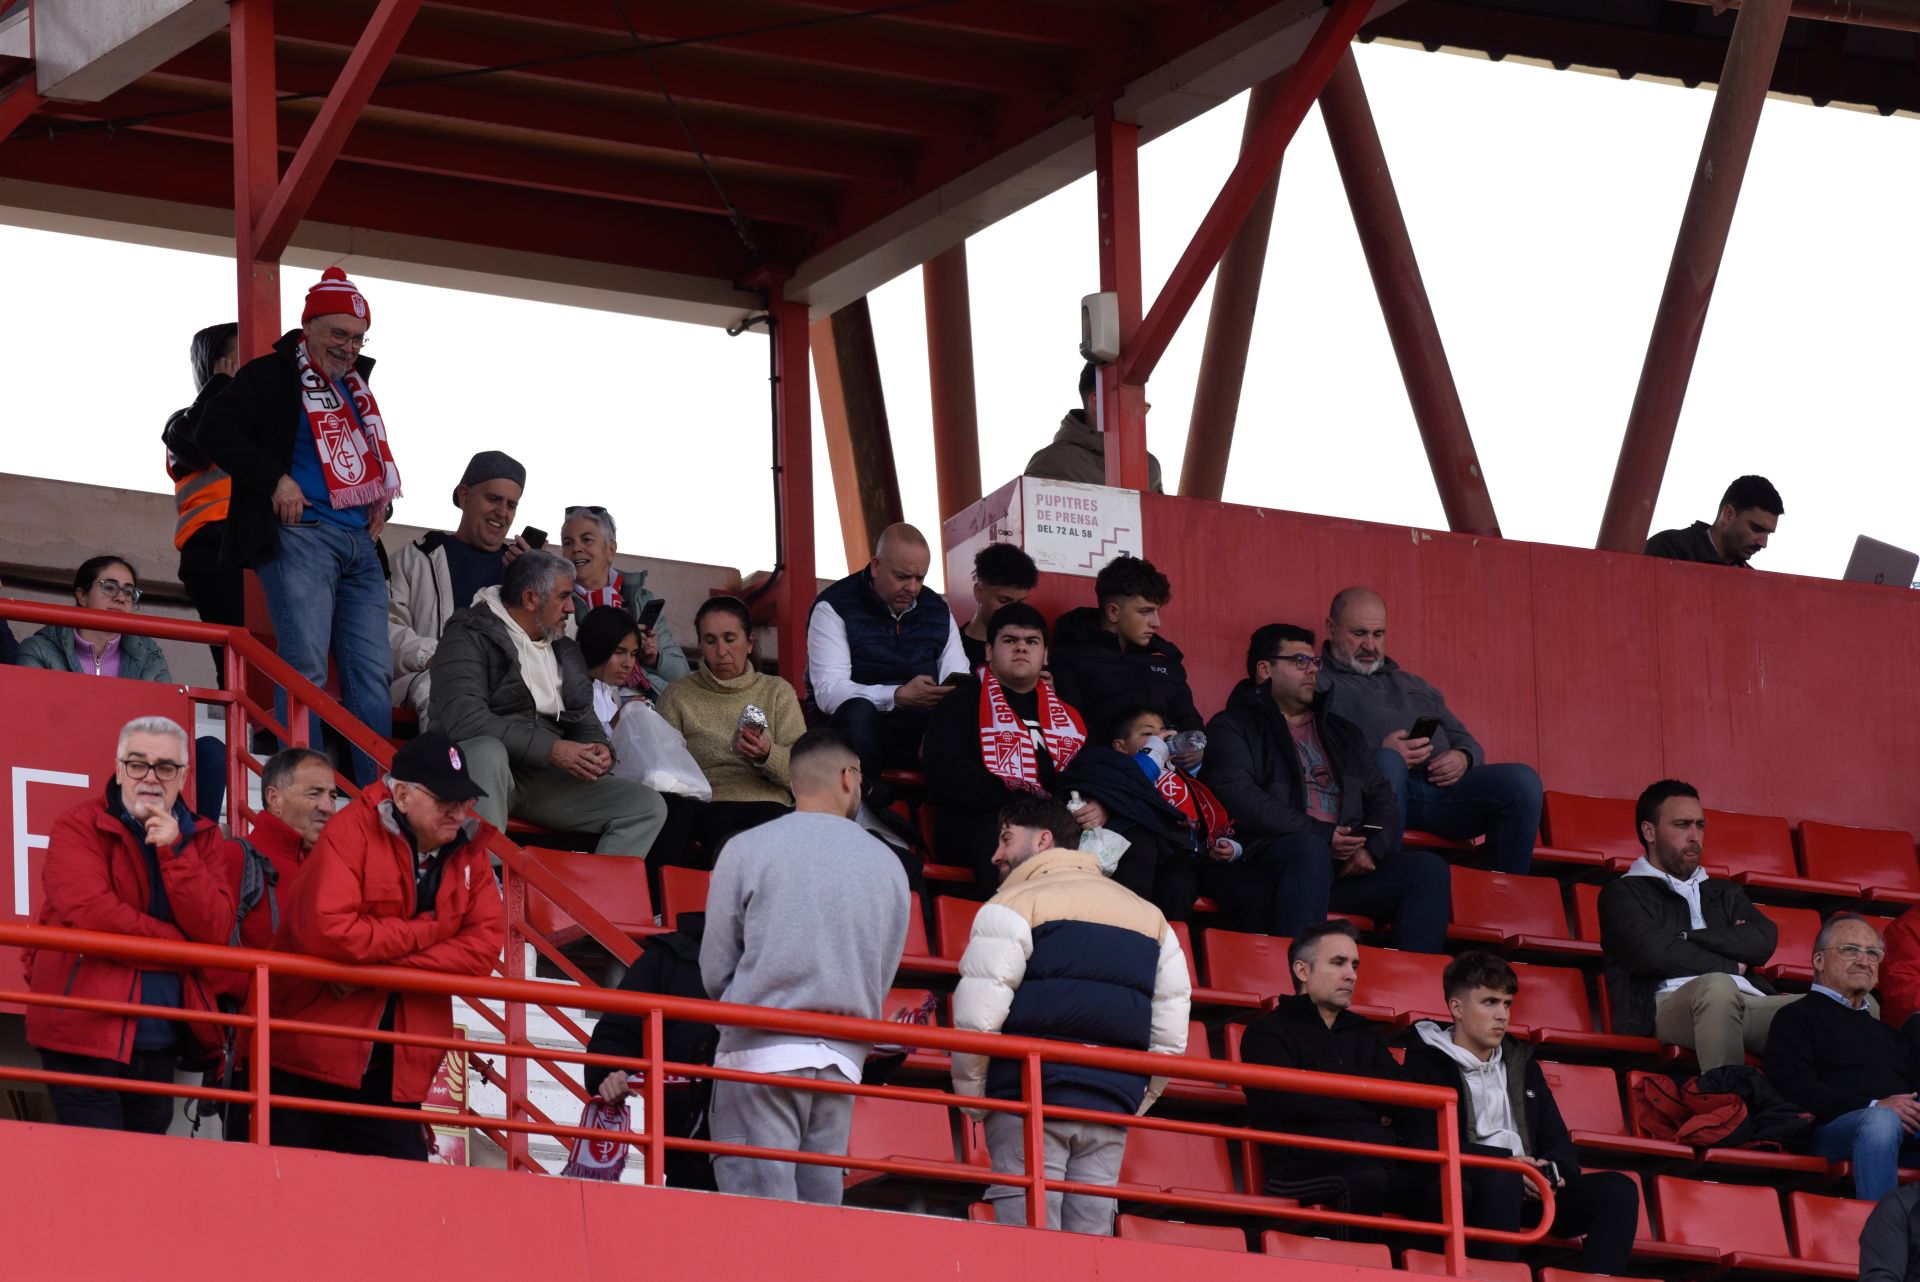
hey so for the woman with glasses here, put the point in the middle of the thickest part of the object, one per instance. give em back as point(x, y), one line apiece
point(101, 583)
point(109, 583)
point(587, 540)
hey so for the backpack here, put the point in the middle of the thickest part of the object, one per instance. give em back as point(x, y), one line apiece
point(1732, 1106)
point(258, 877)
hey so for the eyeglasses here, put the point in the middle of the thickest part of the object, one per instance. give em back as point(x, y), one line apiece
point(1854, 952)
point(340, 337)
point(119, 591)
point(137, 768)
point(1300, 662)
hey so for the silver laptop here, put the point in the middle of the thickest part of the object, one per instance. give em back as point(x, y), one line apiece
point(1876, 562)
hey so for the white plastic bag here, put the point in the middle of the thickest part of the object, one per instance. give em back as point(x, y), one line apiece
point(648, 750)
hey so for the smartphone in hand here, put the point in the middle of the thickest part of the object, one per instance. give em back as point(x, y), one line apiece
point(1424, 728)
point(535, 537)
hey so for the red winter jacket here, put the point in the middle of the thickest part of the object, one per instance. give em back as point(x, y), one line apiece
point(283, 849)
point(354, 902)
point(95, 878)
point(1900, 975)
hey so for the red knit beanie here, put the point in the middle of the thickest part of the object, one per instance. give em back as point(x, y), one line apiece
point(335, 295)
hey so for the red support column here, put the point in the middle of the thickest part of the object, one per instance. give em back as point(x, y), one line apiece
point(1236, 296)
point(1403, 302)
point(1258, 163)
point(853, 408)
point(794, 458)
point(1690, 277)
point(256, 169)
point(1122, 407)
point(956, 416)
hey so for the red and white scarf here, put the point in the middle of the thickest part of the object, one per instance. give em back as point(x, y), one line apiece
point(1196, 802)
point(1006, 745)
point(350, 439)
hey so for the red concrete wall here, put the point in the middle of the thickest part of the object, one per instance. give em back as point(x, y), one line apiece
point(1772, 694)
point(93, 1204)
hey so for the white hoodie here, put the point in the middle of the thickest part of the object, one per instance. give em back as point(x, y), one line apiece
point(1688, 890)
point(1493, 1120)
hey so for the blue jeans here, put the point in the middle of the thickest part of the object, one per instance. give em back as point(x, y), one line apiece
point(1501, 802)
point(325, 591)
point(1284, 884)
point(1875, 1142)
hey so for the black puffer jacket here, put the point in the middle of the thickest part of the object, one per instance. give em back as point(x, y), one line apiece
point(1254, 768)
point(248, 432)
point(1103, 676)
point(478, 690)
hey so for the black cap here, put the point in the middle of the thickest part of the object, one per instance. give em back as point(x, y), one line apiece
point(434, 761)
point(490, 465)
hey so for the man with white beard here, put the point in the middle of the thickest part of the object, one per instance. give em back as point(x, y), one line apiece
point(1440, 774)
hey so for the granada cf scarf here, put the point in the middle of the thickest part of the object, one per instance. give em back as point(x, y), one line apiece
point(351, 438)
point(1006, 745)
point(1196, 802)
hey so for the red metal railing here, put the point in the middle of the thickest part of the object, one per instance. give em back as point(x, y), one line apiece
point(246, 655)
point(259, 1021)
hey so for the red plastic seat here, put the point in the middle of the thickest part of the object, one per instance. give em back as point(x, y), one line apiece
point(1826, 1230)
point(905, 1005)
point(682, 890)
point(1600, 824)
point(953, 924)
point(890, 1128)
point(1793, 954)
point(1757, 850)
point(1202, 994)
point(1432, 1262)
point(1589, 1100)
point(1176, 1160)
point(1647, 1244)
point(1553, 1007)
point(1197, 1090)
point(1398, 987)
point(1586, 911)
point(1513, 913)
point(1880, 861)
point(1295, 1246)
point(1740, 1221)
point(981, 1213)
point(614, 884)
point(1253, 964)
point(1217, 1237)
point(916, 945)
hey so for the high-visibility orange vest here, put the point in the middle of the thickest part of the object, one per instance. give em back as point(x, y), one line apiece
point(201, 498)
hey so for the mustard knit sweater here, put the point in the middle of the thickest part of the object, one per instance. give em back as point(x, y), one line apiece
point(706, 711)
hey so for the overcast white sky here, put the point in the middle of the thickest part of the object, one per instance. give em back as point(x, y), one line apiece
point(1543, 207)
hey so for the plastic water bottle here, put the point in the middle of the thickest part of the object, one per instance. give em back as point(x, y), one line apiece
point(1188, 741)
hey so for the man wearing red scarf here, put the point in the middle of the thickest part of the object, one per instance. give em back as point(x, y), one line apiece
point(299, 432)
point(998, 734)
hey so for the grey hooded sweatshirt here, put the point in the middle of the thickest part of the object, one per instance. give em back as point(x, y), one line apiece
point(1392, 699)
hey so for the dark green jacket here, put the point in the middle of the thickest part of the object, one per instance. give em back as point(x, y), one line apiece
point(478, 690)
point(52, 648)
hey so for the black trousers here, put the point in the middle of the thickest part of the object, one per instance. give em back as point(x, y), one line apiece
point(337, 1133)
point(110, 1110)
point(1602, 1206)
point(709, 823)
point(218, 596)
point(882, 740)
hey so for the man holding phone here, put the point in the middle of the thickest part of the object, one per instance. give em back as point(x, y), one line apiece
point(1318, 819)
point(1441, 779)
point(881, 652)
point(439, 573)
point(1507, 1109)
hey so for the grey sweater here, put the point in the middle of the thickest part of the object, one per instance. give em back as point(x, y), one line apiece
point(1389, 700)
point(808, 912)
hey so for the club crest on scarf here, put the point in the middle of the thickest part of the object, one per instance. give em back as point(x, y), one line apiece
point(1196, 804)
point(349, 436)
point(1006, 746)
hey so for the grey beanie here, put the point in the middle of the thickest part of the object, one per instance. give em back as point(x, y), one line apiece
point(490, 465)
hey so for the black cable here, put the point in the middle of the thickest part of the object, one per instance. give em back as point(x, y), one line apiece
point(741, 227)
point(51, 130)
point(779, 506)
